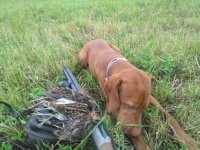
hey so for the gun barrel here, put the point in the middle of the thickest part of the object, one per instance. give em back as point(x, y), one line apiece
point(71, 79)
point(100, 135)
point(102, 142)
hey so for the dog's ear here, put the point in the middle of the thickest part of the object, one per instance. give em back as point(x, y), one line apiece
point(83, 55)
point(152, 78)
point(112, 92)
point(114, 47)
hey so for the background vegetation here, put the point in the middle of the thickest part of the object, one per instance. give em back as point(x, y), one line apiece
point(38, 38)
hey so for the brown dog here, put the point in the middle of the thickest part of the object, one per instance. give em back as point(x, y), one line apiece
point(127, 88)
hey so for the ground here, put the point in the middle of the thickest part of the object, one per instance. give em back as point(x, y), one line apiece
point(162, 37)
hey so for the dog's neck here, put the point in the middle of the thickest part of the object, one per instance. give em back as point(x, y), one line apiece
point(111, 62)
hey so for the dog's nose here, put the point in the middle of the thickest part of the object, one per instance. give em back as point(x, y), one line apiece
point(133, 131)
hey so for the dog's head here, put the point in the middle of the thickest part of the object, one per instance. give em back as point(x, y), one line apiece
point(128, 95)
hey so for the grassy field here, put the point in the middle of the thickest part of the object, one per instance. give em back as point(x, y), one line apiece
point(38, 38)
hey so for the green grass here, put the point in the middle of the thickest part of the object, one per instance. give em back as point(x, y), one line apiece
point(38, 38)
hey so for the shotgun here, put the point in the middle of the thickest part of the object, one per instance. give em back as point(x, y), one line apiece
point(100, 136)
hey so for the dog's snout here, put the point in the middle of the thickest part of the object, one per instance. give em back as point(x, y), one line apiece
point(133, 131)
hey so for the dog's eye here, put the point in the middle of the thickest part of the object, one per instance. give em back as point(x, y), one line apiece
point(131, 109)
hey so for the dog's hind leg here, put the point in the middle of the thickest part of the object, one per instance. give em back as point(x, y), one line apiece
point(83, 56)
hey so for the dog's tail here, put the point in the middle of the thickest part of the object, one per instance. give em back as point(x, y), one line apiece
point(190, 142)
